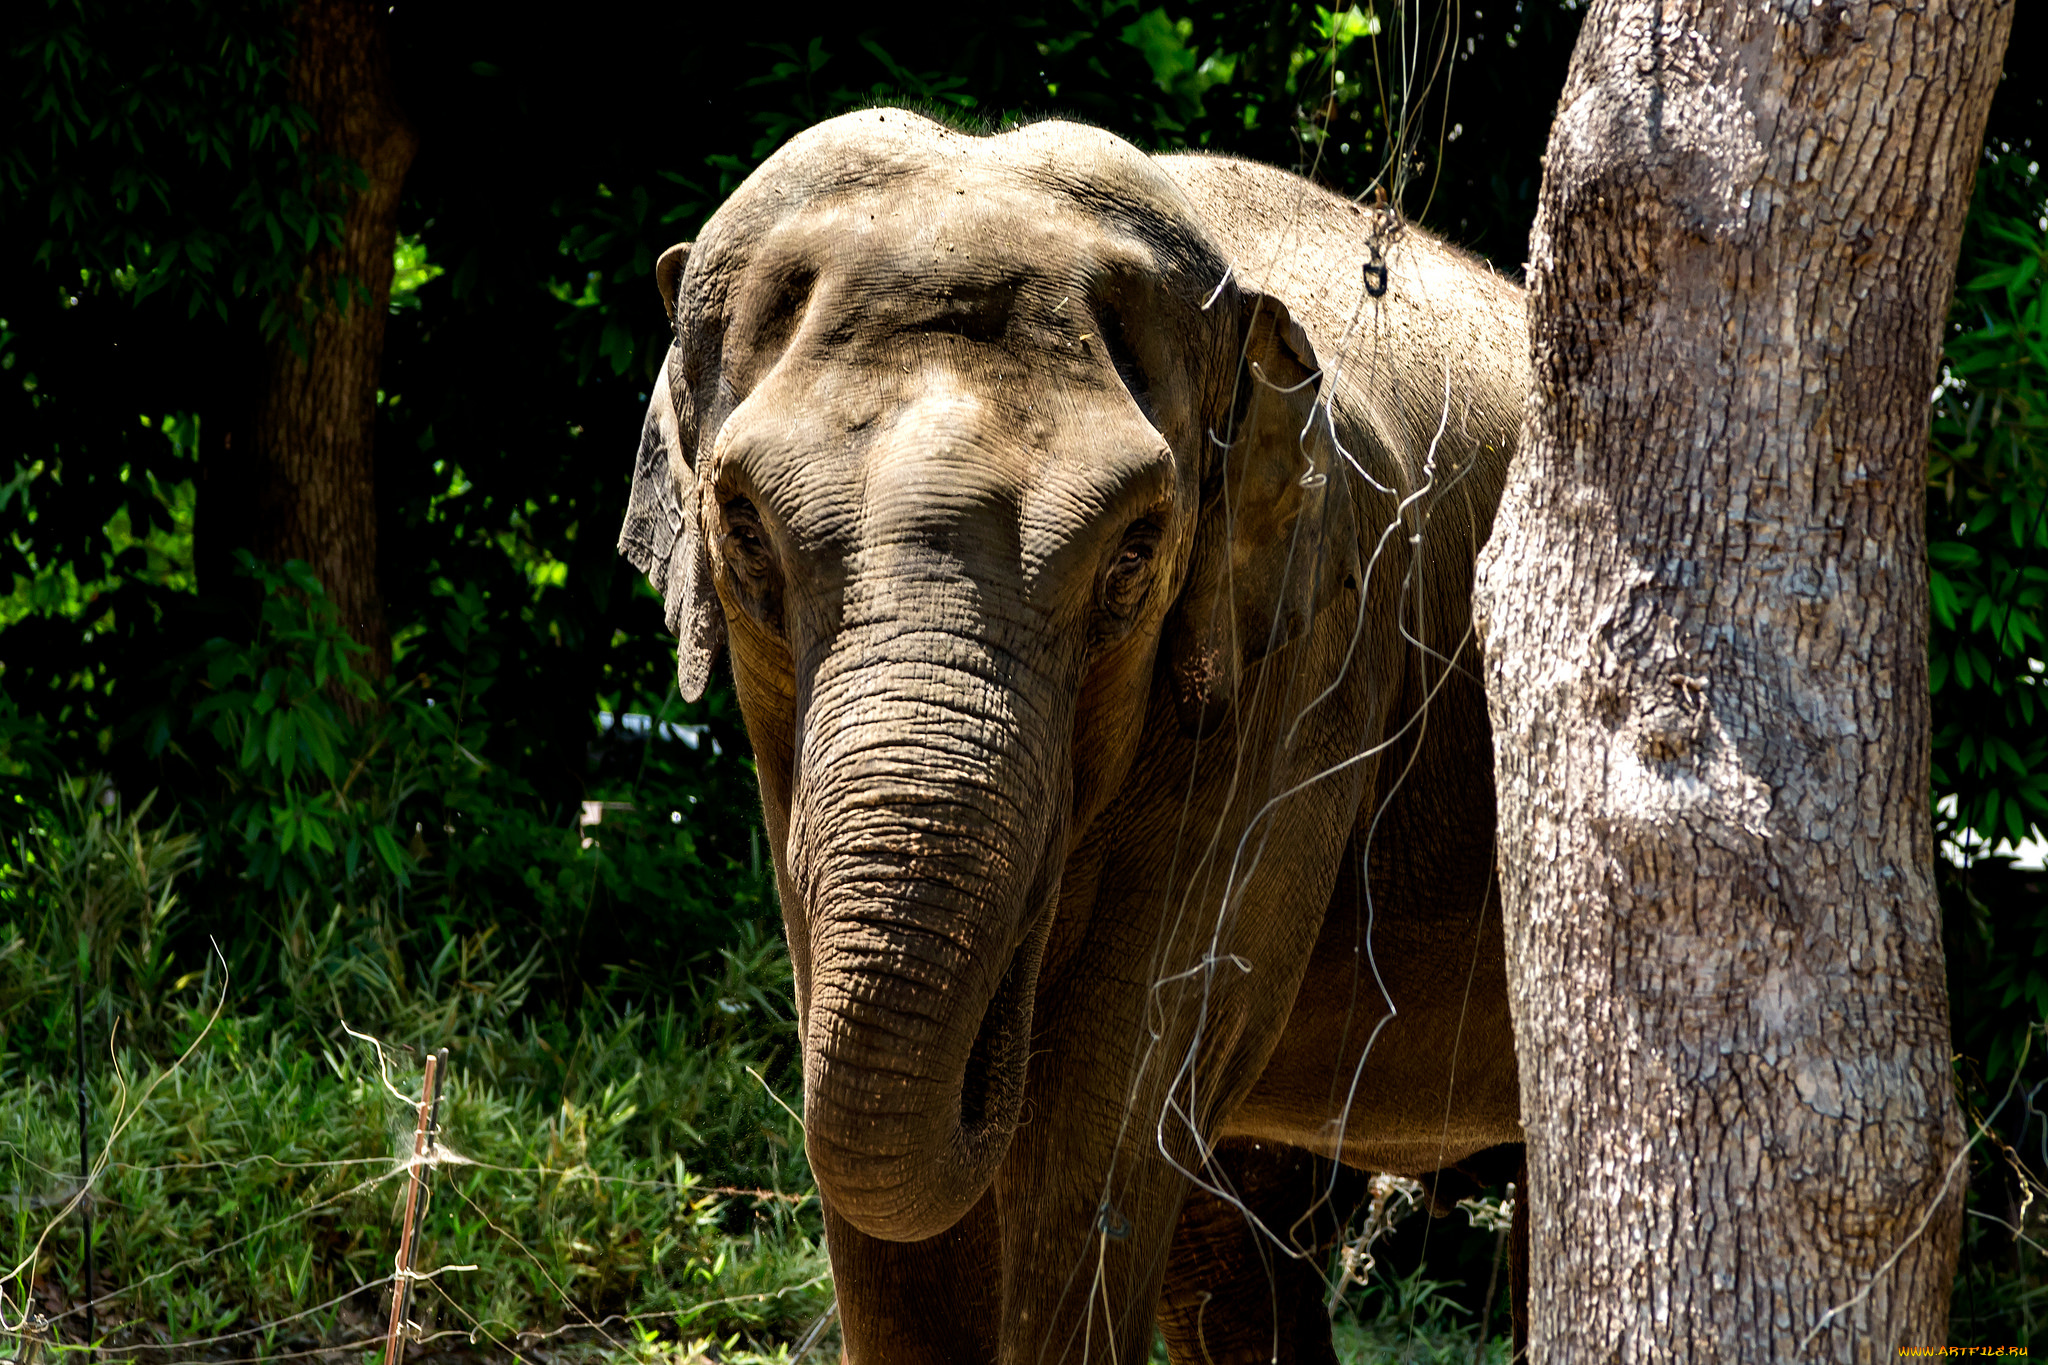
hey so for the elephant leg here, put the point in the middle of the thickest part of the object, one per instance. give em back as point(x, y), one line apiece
point(935, 1302)
point(1091, 1203)
point(1084, 1252)
point(1231, 1295)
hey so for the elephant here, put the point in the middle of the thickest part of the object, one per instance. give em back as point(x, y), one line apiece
point(1091, 535)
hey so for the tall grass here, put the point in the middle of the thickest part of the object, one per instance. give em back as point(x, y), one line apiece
point(609, 1169)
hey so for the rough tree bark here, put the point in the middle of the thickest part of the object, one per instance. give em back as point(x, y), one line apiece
point(1704, 608)
point(312, 461)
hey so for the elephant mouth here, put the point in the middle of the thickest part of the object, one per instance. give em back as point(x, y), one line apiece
point(900, 1169)
point(992, 1084)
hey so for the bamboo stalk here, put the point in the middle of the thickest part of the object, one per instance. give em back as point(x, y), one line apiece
point(401, 1281)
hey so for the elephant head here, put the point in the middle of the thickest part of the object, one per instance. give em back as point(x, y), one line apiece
point(977, 456)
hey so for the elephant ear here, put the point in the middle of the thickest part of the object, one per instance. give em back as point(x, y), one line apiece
point(1278, 536)
point(668, 275)
point(663, 537)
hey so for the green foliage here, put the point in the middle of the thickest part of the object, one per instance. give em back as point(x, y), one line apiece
point(147, 538)
point(156, 150)
point(1988, 594)
point(411, 271)
point(624, 1150)
point(1415, 1320)
point(1177, 68)
point(304, 783)
point(1988, 588)
point(112, 907)
point(2000, 1294)
point(1988, 522)
point(363, 827)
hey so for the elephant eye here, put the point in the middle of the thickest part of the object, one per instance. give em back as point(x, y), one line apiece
point(1123, 587)
point(756, 577)
point(744, 542)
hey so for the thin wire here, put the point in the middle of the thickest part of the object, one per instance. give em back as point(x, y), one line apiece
point(442, 1155)
point(241, 1333)
point(308, 1211)
point(527, 1252)
point(126, 1117)
point(1189, 1111)
point(1235, 884)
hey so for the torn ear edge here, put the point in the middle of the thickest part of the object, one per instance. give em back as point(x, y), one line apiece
point(663, 535)
point(1278, 544)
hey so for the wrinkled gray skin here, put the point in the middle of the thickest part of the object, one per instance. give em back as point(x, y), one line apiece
point(1082, 671)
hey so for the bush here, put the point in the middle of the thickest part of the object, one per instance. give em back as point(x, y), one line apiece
point(313, 802)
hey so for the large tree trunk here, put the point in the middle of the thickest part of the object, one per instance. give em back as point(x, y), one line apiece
point(311, 463)
point(1705, 610)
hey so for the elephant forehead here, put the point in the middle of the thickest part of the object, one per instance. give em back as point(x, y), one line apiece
point(957, 220)
point(893, 158)
point(938, 462)
point(868, 272)
point(910, 355)
point(882, 233)
point(933, 460)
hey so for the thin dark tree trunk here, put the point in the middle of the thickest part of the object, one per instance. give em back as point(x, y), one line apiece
point(311, 462)
point(1705, 611)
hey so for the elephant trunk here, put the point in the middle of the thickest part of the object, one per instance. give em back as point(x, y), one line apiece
point(921, 833)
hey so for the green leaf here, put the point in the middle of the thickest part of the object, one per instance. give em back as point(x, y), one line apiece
point(277, 735)
point(252, 746)
point(313, 831)
point(388, 851)
point(2023, 272)
point(1996, 278)
point(1343, 27)
point(1980, 613)
point(317, 736)
point(266, 690)
point(1941, 598)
